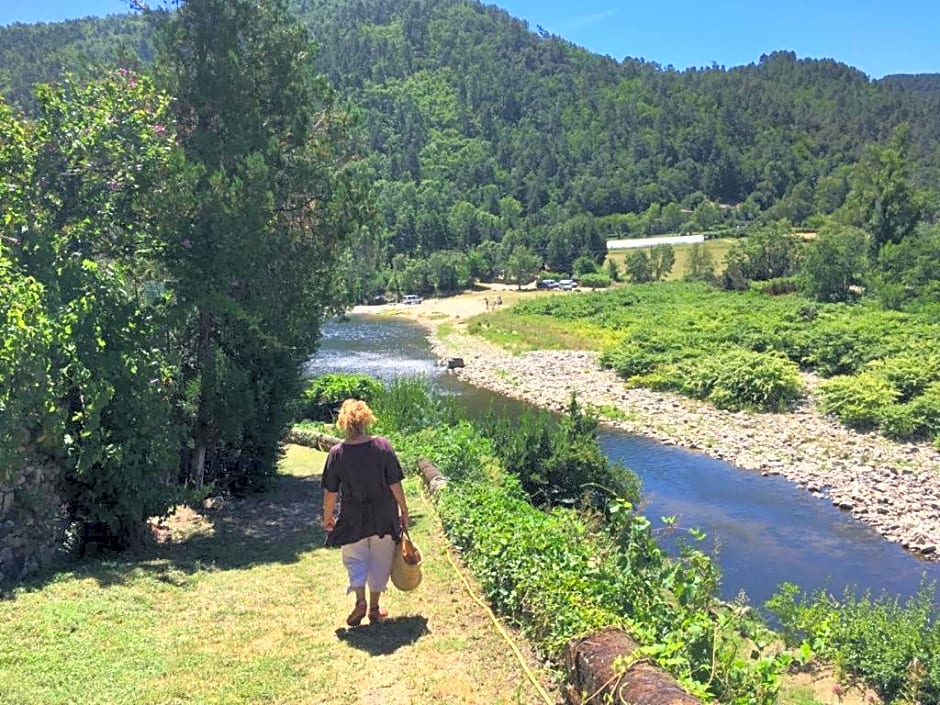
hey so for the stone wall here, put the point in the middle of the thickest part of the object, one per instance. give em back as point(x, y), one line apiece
point(32, 521)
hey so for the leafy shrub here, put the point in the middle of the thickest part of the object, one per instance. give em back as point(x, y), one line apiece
point(28, 391)
point(557, 461)
point(733, 379)
point(326, 392)
point(594, 280)
point(752, 380)
point(898, 421)
point(777, 286)
point(459, 451)
point(909, 373)
point(894, 647)
point(410, 404)
point(629, 360)
point(860, 401)
point(843, 340)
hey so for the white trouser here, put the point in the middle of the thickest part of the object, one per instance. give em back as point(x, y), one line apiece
point(369, 561)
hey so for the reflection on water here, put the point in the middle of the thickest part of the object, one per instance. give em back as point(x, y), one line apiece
point(380, 347)
point(767, 531)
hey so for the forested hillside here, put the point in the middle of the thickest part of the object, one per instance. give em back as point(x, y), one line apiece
point(482, 137)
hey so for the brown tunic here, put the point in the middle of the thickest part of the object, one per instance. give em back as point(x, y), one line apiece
point(362, 473)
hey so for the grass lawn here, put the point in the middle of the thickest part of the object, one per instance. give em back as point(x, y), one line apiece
point(243, 604)
point(717, 248)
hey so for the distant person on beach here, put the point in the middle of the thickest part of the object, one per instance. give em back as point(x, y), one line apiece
point(499, 301)
point(364, 472)
point(486, 302)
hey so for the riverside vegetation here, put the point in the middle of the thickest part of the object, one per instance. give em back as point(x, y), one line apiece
point(533, 556)
point(562, 555)
point(745, 350)
point(559, 570)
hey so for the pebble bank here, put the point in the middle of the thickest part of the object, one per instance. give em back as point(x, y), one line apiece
point(894, 487)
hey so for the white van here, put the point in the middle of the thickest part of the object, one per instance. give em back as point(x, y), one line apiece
point(409, 299)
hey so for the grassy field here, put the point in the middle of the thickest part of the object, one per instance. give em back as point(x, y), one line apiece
point(717, 248)
point(243, 604)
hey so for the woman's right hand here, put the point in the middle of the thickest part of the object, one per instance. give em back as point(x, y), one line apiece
point(328, 524)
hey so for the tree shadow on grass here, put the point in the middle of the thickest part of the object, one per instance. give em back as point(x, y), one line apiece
point(276, 526)
point(387, 637)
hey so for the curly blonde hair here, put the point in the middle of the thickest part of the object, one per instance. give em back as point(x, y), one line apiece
point(354, 415)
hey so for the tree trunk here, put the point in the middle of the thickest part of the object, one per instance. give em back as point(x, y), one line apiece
point(197, 467)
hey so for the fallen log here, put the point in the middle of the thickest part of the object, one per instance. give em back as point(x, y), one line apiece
point(593, 678)
point(433, 477)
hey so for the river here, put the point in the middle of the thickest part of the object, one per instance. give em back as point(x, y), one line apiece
point(764, 529)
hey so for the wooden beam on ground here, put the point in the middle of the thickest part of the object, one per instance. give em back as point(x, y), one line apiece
point(593, 678)
point(433, 477)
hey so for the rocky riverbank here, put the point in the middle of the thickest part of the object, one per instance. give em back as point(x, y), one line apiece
point(894, 487)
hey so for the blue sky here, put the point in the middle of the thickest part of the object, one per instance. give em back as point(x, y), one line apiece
point(876, 36)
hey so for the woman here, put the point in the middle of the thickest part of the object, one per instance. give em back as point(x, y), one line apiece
point(366, 474)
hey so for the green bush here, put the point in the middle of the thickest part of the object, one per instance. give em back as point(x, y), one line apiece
point(926, 412)
point(733, 379)
point(777, 286)
point(629, 360)
point(859, 401)
point(594, 280)
point(410, 404)
point(558, 461)
point(894, 647)
point(909, 373)
point(326, 392)
point(752, 380)
point(459, 451)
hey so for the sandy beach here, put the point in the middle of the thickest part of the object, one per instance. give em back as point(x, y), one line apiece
point(894, 487)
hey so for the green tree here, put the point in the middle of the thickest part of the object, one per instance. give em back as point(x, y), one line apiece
point(882, 198)
point(522, 265)
point(835, 264)
point(83, 184)
point(662, 259)
point(638, 267)
point(700, 265)
point(262, 209)
point(584, 265)
point(767, 253)
point(905, 274)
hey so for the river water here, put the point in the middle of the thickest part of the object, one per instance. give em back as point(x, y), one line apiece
point(765, 531)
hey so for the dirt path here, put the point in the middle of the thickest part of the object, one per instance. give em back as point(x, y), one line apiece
point(241, 604)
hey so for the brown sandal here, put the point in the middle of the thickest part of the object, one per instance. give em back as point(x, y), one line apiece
point(359, 611)
point(377, 614)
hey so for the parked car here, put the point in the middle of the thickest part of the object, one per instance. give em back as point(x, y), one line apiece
point(567, 284)
point(411, 299)
point(546, 284)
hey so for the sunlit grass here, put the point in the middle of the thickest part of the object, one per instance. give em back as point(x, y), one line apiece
point(248, 607)
point(524, 333)
point(445, 330)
